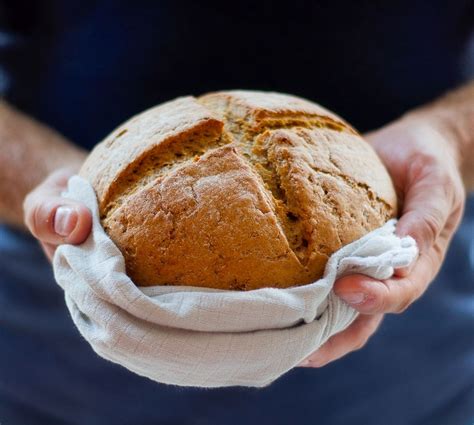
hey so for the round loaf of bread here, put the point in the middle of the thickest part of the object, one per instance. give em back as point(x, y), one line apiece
point(236, 190)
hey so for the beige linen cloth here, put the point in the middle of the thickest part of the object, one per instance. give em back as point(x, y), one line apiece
point(209, 338)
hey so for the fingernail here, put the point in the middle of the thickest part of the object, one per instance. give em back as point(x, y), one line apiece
point(304, 363)
point(65, 220)
point(354, 298)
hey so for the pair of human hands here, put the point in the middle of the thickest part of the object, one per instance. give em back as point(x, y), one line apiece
point(423, 163)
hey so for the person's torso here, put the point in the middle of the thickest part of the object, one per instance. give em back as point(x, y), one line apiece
point(85, 66)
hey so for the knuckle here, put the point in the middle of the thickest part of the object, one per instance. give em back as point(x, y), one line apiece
point(378, 302)
point(40, 218)
point(422, 163)
point(430, 227)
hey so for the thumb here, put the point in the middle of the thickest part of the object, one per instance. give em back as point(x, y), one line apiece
point(53, 219)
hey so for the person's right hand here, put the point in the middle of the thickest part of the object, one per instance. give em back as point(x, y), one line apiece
point(55, 220)
point(423, 162)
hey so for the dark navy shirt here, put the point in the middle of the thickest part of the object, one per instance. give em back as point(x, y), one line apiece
point(82, 67)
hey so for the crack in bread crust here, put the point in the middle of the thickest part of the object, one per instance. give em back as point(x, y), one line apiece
point(247, 134)
point(157, 162)
point(384, 205)
point(300, 211)
point(167, 157)
point(288, 211)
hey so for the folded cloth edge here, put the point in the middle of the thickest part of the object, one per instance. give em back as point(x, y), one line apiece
point(200, 337)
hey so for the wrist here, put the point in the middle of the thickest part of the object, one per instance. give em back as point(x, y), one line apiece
point(452, 115)
point(30, 152)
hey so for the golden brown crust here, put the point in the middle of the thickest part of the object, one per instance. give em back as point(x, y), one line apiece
point(236, 190)
point(113, 162)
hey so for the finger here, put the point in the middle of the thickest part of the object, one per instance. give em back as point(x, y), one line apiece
point(351, 339)
point(428, 203)
point(53, 219)
point(394, 295)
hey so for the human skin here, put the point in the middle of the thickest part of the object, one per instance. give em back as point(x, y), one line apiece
point(427, 152)
point(30, 152)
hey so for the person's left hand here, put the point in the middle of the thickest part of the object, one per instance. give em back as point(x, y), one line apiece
point(423, 163)
point(53, 219)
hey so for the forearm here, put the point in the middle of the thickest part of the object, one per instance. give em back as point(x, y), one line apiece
point(453, 115)
point(29, 152)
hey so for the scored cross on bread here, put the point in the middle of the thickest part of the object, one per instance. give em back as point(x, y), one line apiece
point(236, 190)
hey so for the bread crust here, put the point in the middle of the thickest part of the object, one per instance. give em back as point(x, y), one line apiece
point(236, 190)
